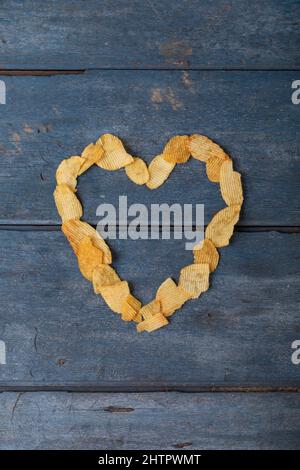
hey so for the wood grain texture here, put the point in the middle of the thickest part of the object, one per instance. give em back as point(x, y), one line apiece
point(250, 114)
point(146, 421)
point(151, 34)
point(59, 333)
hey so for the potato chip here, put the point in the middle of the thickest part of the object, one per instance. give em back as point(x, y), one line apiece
point(76, 230)
point(130, 308)
point(137, 171)
point(91, 154)
point(176, 150)
point(89, 257)
point(202, 148)
point(68, 171)
point(115, 155)
point(154, 323)
point(220, 228)
point(213, 168)
point(150, 309)
point(115, 295)
point(230, 184)
point(194, 279)
point(104, 275)
point(159, 170)
point(170, 296)
point(206, 252)
point(68, 206)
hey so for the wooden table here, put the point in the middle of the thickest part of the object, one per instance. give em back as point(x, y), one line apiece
point(220, 375)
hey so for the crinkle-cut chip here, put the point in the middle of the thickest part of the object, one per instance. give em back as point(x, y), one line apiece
point(114, 295)
point(194, 279)
point(220, 228)
point(176, 150)
point(213, 168)
point(130, 308)
point(150, 309)
point(154, 323)
point(230, 184)
point(202, 148)
point(115, 155)
point(76, 230)
point(104, 275)
point(206, 252)
point(89, 257)
point(68, 206)
point(137, 171)
point(170, 296)
point(91, 154)
point(159, 170)
point(68, 170)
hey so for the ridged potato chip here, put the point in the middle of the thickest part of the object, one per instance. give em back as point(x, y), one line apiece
point(159, 170)
point(76, 230)
point(150, 309)
point(68, 171)
point(206, 252)
point(171, 297)
point(115, 155)
point(91, 155)
point(220, 228)
point(89, 257)
point(154, 323)
point(202, 148)
point(137, 171)
point(230, 184)
point(115, 295)
point(130, 309)
point(213, 168)
point(194, 279)
point(68, 206)
point(176, 150)
point(104, 275)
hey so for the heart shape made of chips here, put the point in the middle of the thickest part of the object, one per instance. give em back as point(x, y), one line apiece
point(94, 255)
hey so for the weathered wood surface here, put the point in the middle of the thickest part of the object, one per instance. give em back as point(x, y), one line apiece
point(59, 333)
point(250, 114)
point(149, 421)
point(75, 34)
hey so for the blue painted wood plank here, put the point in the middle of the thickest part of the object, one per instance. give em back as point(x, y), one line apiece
point(250, 114)
point(239, 333)
point(147, 421)
point(152, 34)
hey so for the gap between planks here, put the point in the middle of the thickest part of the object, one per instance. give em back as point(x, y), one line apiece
point(238, 228)
point(132, 388)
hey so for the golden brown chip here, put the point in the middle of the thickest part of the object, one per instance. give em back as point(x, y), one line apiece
point(171, 297)
point(137, 171)
point(104, 275)
point(89, 257)
point(67, 172)
point(76, 230)
point(159, 170)
point(213, 168)
point(154, 323)
point(115, 155)
point(67, 204)
point(206, 252)
point(176, 150)
point(230, 184)
point(150, 309)
point(202, 148)
point(220, 228)
point(91, 154)
point(115, 295)
point(194, 279)
point(130, 308)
